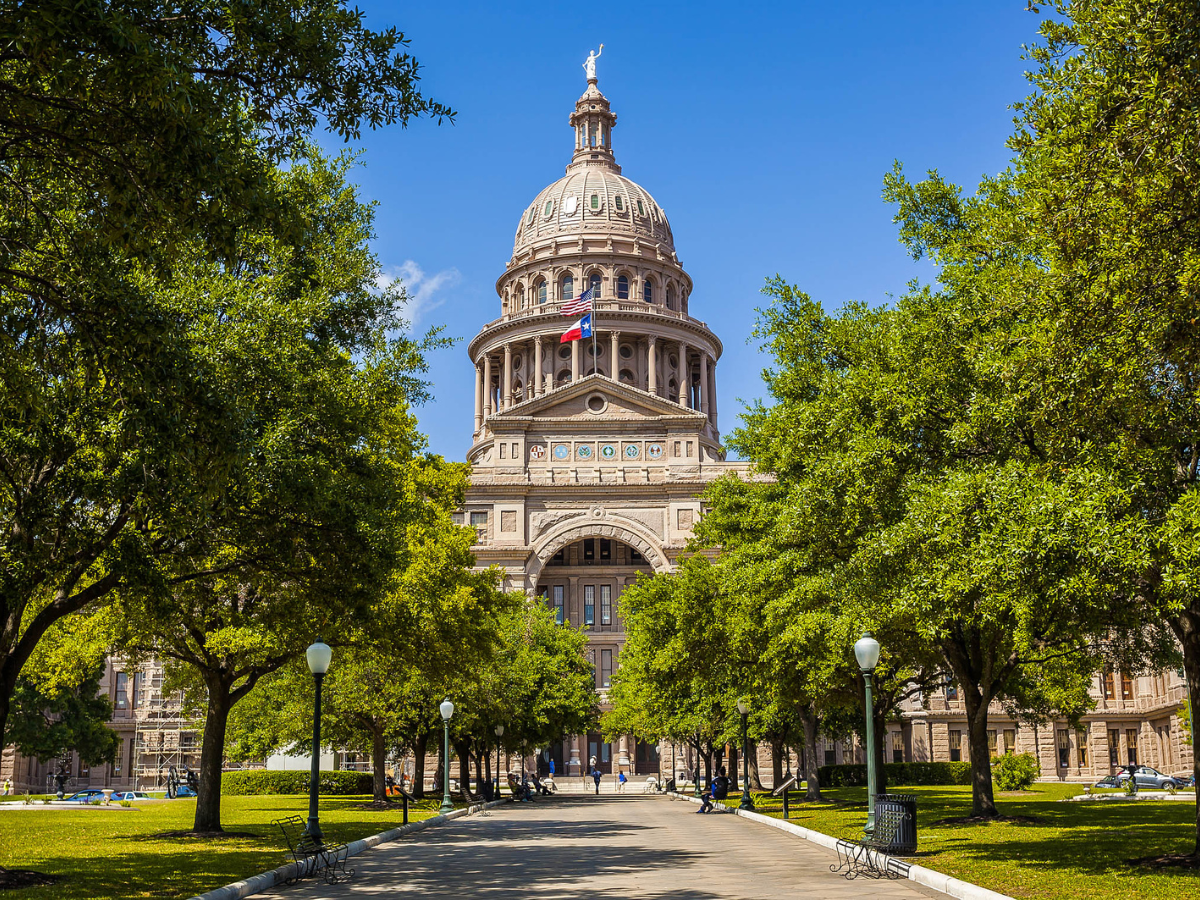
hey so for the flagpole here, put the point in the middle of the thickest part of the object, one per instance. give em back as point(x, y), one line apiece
point(595, 358)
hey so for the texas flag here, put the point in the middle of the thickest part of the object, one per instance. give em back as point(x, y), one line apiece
point(581, 329)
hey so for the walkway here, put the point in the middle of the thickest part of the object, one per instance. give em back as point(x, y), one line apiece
point(628, 846)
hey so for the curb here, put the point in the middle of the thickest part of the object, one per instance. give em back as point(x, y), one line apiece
point(266, 880)
point(953, 887)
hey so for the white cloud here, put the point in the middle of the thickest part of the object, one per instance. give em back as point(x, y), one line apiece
point(424, 291)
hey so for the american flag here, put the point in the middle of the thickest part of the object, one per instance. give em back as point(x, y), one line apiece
point(581, 304)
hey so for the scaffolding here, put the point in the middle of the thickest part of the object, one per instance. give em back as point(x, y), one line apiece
point(164, 734)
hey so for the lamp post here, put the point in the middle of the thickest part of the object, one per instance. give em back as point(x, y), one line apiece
point(747, 802)
point(866, 651)
point(447, 710)
point(499, 735)
point(319, 655)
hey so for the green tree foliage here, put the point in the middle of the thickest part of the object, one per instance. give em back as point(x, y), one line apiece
point(52, 723)
point(138, 146)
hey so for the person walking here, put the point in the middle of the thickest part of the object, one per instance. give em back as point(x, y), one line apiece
point(621, 779)
point(596, 776)
point(7, 786)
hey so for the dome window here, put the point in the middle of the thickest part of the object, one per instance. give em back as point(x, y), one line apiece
point(627, 376)
point(532, 213)
point(564, 352)
point(549, 208)
point(517, 361)
point(568, 288)
point(620, 204)
point(670, 296)
point(541, 292)
point(595, 201)
point(622, 288)
point(594, 284)
point(648, 292)
point(641, 209)
point(520, 298)
point(626, 351)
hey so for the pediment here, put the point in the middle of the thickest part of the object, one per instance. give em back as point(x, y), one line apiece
point(577, 402)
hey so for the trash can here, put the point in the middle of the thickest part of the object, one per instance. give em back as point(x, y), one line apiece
point(904, 807)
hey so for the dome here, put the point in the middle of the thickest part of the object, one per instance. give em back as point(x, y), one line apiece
point(593, 200)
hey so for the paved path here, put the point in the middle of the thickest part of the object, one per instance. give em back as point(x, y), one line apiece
point(630, 846)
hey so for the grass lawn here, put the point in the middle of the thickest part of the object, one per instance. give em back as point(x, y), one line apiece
point(1076, 850)
point(111, 852)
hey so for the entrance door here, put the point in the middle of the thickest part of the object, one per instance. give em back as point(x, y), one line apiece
point(601, 752)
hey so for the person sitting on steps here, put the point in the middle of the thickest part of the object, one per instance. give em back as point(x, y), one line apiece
point(718, 790)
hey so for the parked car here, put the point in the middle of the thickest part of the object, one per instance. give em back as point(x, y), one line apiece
point(184, 791)
point(87, 796)
point(1148, 779)
point(131, 795)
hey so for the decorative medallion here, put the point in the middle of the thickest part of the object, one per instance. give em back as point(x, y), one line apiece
point(569, 205)
point(562, 451)
point(583, 451)
point(608, 451)
point(537, 451)
point(631, 451)
point(654, 451)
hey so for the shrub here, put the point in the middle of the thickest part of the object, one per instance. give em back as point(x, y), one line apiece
point(262, 781)
point(1015, 773)
point(855, 775)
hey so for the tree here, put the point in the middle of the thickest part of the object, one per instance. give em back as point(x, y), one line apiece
point(139, 138)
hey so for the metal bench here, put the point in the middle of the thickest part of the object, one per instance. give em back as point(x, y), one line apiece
point(311, 856)
point(869, 857)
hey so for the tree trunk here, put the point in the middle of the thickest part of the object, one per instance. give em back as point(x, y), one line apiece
point(479, 781)
point(732, 755)
point(420, 746)
point(777, 751)
point(755, 776)
point(212, 756)
point(983, 803)
point(378, 762)
point(487, 765)
point(708, 765)
point(1187, 628)
point(464, 771)
point(810, 720)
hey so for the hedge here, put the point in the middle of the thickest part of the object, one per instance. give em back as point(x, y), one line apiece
point(855, 775)
point(263, 781)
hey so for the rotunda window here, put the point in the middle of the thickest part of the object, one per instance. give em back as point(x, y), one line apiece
point(520, 298)
point(626, 351)
point(627, 376)
point(532, 213)
point(517, 362)
point(673, 360)
point(517, 392)
point(594, 284)
point(568, 288)
point(648, 291)
point(673, 391)
point(564, 352)
point(670, 296)
point(549, 207)
point(620, 203)
point(541, 292)
point(641, 209)
point(595, 202)
point(622, 288)
point(597, 350)
point(564, 377)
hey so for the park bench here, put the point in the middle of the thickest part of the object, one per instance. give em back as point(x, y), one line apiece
point(869, 857)
point(313, 857)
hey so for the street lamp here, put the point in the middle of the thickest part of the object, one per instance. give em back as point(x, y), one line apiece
point(866, 651)
point(447, 710)
point(319, 656)
point(746, 803)
point(499, 735)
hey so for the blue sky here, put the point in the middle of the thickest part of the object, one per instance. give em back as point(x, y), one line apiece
point(763, 130)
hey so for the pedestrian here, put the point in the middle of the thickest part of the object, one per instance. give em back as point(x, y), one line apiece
point(552, 768)
point(718, 790)
point(7, 786)
point(621, 779)
point(596, 778)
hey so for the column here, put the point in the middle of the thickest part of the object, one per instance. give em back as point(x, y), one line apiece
point(537, 384)
point(508, 393)
point(685, 376)
point(575, 360)
point(478, 397)
point(614, 357)
point(652, 365)
point(487, 385)
point(704, 383)
point(712, 393)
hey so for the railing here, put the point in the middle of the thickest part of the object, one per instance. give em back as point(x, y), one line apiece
point(601, 307)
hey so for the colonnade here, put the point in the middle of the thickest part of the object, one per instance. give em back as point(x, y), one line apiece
point(691, 381)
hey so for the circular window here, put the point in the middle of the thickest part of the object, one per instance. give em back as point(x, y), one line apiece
point(596, 403)
point(626, 351)
point(517, 362)
point(673, 360)
point(564, 352)
point(595, 351)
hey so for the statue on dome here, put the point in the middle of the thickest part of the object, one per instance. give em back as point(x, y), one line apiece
point(590, 65)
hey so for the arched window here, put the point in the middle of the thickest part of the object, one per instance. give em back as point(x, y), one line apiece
point(541, 292)
point(622, 288)
point(670, 296)
point(568, 288)
point(594, 284)
point(520, 297)
point(673, 391)
point(595, 201)
point(648, 291)
point(620, 203)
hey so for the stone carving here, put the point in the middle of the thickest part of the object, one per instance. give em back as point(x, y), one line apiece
point(541, 522)
point(590, 65)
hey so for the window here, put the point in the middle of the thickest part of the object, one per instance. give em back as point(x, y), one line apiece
point(568, 288)
point(479, 518)
point(1114, 747)
point(605, 549)
point(1064, 749)
point(648, 291)
point(122, 700)
point(951, 692)
point(138, 690)
point(641, 209)
point(670, 296)
point(992, 741)
point(589, 605)
point(503, 450)
point(634, 556)
point(620, 204)
point(1126, 687)
point(830, 754)
point(594, 284)
point(955, 746)
point(1108, 688)
point(1010, 741)
point(1081, 740)
point(897, 747)
point(532, 213)
point(1131, 745)
point(589, 550)
point(595, 201)
point(559, 604)
point(605, 668)
point(520, 298)
point(549, 207)
point(115, 768)
point(605, 604)
point(541, 292)
point(622, 288)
